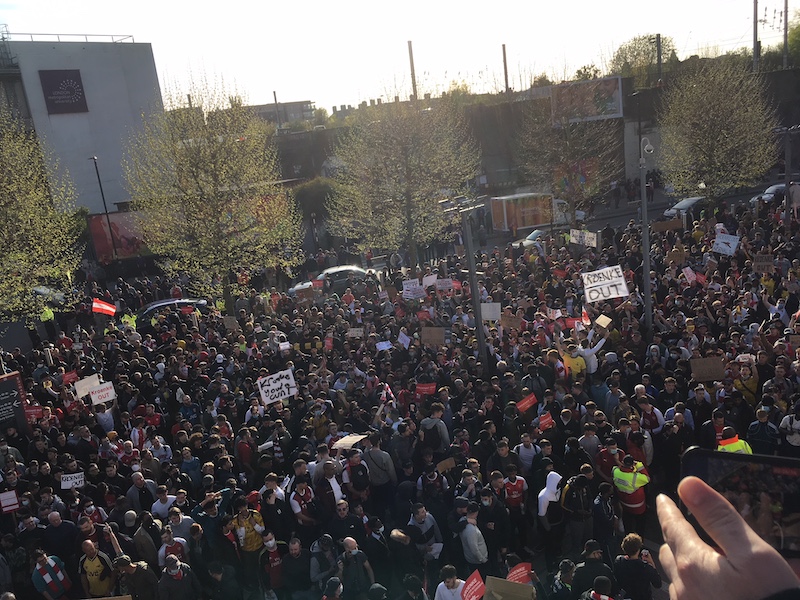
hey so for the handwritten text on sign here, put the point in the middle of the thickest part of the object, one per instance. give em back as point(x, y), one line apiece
point(604, 284)
point(103, 393)
point(274, 388)
point(71, 480)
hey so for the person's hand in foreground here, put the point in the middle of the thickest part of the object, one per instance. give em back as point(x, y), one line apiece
point(745, 566)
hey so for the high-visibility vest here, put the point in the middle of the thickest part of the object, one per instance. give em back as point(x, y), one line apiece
point(47, 314)
point(734, 445)
point(628, 482)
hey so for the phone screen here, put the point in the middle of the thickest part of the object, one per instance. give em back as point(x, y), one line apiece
point(765, 490)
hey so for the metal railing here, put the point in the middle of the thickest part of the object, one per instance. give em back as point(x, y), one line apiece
point(69, 37)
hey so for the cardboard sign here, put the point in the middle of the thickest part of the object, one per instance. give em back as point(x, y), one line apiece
point(602, 321)
point(546, 421)
point(520, 574)
point(473, 587)
point(355, 332)
point(305, 294)
point(490, 311)
point(33, 413)
point(404, 339)
point(274, 388)
point(677, 256)
point(9, 501)
point(725, 244)
point(605, 284)
point(689, 274)
point(72, 480)
point(230, 323)
point(348, 441)
point(763, 263)
point(104, 392)
point(380, 346)
point(511, 321)
point(83, 386)
point(391, 291)
point(659, 226)
point(527, 403)
point(70, 377)
point(503, 589)
point(429, 280)
point(708, 369)
point(445, 465)
point(432, 336)
point(426, 389)
point(444, 284)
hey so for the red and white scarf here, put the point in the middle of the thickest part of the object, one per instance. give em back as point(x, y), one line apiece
point(595, 596)
point(55, 587)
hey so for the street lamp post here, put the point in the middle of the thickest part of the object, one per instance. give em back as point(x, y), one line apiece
point(645, 147)
point(473, 282)
point(105, 207)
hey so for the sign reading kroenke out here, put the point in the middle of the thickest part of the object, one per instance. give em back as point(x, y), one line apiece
point(274, 388)
point(604, 284)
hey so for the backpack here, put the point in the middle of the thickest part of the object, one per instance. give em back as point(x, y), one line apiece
point(432, 439)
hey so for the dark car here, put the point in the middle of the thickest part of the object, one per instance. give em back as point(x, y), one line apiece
point(144, 315)
point(337, 279)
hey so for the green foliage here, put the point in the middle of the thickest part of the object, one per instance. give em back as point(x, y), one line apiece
point(587, 73)
point(41, 229)
point(794, 41)
point(717, 129)
point(397, 162)
point(638, 58)
point(321, 116)
point(575, 160)
point(312, 196)
point(204, 182)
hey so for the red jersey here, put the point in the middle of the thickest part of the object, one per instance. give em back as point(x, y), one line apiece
point(274, 567)
point(515, 491)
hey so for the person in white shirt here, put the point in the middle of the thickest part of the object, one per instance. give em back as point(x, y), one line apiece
point(162, 504)
point(526, 451)
point(451, 586)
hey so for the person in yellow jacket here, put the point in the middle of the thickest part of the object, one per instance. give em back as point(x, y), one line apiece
point(248, 527)
point(730, 442)
point(629, 480)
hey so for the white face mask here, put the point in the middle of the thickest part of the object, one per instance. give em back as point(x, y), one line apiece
point(271, 544)
point(136, 467)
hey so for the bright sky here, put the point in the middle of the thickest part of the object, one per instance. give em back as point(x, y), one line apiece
point(353, 50)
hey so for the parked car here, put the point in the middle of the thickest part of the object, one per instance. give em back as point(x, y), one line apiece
point(336, 280)
point(530, 240)
point(145, 314)
point(771, 194)
point(684, 206)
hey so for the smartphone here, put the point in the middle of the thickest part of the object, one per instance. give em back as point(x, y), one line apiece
point(764, 489)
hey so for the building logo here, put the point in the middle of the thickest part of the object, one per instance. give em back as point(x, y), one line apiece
point(63, 91)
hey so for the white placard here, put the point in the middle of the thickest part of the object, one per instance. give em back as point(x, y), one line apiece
point(444, 284)
point(428, 281)
point(383, 346)
point(9, 501)
point(104, 392)
point(725, 244)
point(355, 332)
point(383, 295)
point(274, 388)
point(490, 311)
point(82, 386)
point(689, 274)
point(71, 480)
point(605, 284)
point(583, 237)
point(283, 346)
point(412, 290)
point(404, 339)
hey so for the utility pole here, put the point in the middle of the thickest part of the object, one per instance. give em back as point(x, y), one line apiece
point(480, 334)
point(659, 58)
point(505, 69)
point(785, 34)
point(755, 36)
point(105, 207)
point(277, 108)
point(413, 74)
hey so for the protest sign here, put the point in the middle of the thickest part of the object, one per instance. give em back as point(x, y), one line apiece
point(412, 290)
point(380, 346)
point(659, 226)
point(348, 441)
point(546, 421)
point(392, 292)
point(553, 314)
point(459, 250)
point(527, 403)
point(33, 413)
point(9, 501)
point(72, 480)
point(444, 284)
point(689, 274)
point(677, 255)
point(605, 284)
point(70, 377)
point(383, 295)
point(83, 386)
point(404, 339)
point(274, 388)
point(763, 263)
point(284, 346)
point(445, 465)
point(355, 332)
point(701, 278)
point(725, 244)
point(602, 321)
point(490, 311)
point(708, 369)
point(583, 237)
point(426, 389)
point(104, 392)
point(328, 343)
point(230, 323)
point(520, 573)
point(511, 321)
point(504, 589)
point(432, 336)
point(423, 315)
point(428, 281)
point(473, 587)
point(317, 284)
point(305, 294)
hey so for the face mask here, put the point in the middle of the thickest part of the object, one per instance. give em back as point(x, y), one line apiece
point(380, 529)
point(271, 544)
point(340, 590)
point(766, 408)
point(613, 450)
point(90, 509)
point(574, 354)
point(354, 552)
point(673, 356)
point(486, 502)
point(25, 502)
point(136, 467)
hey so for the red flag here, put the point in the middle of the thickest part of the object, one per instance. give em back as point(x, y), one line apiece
point(585, 317)
point(527, 403)
point(105, 308)
point(426, 389)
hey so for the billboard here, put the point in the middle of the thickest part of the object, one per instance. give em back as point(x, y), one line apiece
point(63, 91)
point(127, 237)
point(587, 100)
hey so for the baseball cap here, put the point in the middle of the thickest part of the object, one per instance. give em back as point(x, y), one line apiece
point(590, 546)
point(123, 560)
point(130, 518)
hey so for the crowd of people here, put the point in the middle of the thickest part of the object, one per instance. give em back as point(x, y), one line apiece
point(551, 450)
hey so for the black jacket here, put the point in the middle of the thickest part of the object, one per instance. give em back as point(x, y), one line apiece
point(635, 577)
point(585, 573)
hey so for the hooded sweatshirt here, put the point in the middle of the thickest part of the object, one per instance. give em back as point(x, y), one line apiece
point(550, 493)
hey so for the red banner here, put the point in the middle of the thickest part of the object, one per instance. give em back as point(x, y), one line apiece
point(317, 283)
point(570, 322)
point(328, 343)
point(559, 273)
point(98, 306)
point(423, 315)
point(546, 421)
point(520, 574)
point(187, 310)
point(33, 412)
point(69, 377)
point(700, 278)
point(527, 403)
point(426, 389)
point(474, 587)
